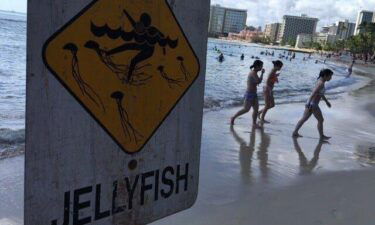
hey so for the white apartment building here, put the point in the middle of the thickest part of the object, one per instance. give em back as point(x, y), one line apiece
point(292, 26)
point(272, 30)
point(325, 38)
point(303, 40)
point(226, 20)
point(342, 29)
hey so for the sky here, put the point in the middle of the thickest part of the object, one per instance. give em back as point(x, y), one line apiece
point(13, 5)
point(261, 12)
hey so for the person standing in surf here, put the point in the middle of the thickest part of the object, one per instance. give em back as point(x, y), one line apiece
point(268, 90)
point(251, 97)
point(312, 106)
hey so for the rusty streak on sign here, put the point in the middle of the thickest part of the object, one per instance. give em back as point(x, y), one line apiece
point(127, 62)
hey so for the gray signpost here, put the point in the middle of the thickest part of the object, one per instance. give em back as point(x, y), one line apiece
point(82, 169)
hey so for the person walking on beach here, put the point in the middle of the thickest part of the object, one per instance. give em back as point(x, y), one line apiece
point(312, 106)
point(350, 69)
point(251, 97)
point(268, 90)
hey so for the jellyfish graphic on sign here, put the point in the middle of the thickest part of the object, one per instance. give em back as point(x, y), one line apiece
point(142, 38)
point(85, 88)
point(130, 132)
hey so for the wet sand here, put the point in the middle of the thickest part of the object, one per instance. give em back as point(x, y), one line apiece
point(11, 190)
point(265, 177)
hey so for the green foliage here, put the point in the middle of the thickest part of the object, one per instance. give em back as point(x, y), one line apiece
point(363, 42)
point(289, 41)
point(262, 40)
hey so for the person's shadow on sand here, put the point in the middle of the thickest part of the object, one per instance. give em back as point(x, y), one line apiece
point(245, 153)
point(265, 141)
point(308, 166)
point(247, 150)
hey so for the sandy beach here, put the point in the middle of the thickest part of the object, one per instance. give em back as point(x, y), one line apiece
point(265, 177)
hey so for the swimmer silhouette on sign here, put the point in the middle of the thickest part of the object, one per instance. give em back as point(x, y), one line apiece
point(85, 88)
point(143, 38)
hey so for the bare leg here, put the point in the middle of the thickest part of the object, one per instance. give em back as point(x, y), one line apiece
point(245, 109)
point(255, 113)
point(141, 56)
point(305, 117)
point(319, 116)
point(270, 103)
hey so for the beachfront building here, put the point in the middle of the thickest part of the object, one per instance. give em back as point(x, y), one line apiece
point(325, 30)
point(271, 31)
point(363, 16)
point(304, 40)
point(292, 26)
point(342, 29)
point(246, 34)
point(345, 30)
point(324, 39)
point(226, 20)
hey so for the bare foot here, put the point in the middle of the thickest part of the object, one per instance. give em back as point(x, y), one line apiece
point(296, 135)
point(264, 121)
point(324, 137)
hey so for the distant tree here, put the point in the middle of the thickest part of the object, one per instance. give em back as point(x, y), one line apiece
point(364, 42)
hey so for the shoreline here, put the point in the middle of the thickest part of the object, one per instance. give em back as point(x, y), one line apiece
point(264, 176)
point(275, 47)
point(247, 175)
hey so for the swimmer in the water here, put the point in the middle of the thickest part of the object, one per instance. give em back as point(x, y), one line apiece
point(251, 97)
point(221, 57)
point(312, 105)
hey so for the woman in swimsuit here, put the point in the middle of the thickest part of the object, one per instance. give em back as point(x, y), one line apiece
point(251, 97)
point(268, 90)
point(312, 106)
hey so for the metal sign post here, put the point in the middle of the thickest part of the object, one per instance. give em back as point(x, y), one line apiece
point(114, 109)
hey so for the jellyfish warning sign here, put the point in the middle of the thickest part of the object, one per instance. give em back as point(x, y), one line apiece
point(128, 62)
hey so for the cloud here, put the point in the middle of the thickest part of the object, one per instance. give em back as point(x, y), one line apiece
point(261, 12)
point(15, 5)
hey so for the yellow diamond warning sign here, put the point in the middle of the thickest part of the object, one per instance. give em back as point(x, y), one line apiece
point(127, 62)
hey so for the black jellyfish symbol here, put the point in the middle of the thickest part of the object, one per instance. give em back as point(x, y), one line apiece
point(85, 88)
point(120, 70)
point(165, 76)
point(183, 68)
point(129, 131)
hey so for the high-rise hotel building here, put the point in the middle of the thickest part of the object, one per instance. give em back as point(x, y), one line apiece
point(292, 26)
point(363, 16)
point(226, 20)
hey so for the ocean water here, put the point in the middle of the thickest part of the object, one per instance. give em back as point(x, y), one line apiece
point(12, 82)
point(225, 82)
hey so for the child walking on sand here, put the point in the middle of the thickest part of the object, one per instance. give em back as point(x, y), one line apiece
point(312, 106)
point(268, 90)
point(251, 97)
